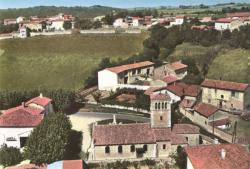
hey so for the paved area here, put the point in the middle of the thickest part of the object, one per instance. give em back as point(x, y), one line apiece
point(81, 121)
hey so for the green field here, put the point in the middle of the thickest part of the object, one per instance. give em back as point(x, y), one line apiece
point(232, 65)
point(60, 61)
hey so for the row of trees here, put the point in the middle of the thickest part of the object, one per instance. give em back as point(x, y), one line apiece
point(52, 140)
point(87, 24)
point(8, 28)
point(62, 99)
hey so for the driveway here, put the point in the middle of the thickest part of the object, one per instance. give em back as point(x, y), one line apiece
point(82, 120)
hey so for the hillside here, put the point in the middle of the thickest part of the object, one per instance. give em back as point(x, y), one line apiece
point(42, 11)
point(232, 65)
point(60, 61)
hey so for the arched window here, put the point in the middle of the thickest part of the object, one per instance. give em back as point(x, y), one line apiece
point(166, 105)
point(107, 150)
point(155, 106)
point(119, 149)
point(162, 105)
point(145, 147)
point(132, 148)
point(159, 106)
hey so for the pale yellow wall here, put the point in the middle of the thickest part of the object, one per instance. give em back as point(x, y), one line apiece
point(163, 152)
point(215, 95)
point(201, 120)
point(187, 113)
point(100, 154)
point(34, 26)
point(193, 139)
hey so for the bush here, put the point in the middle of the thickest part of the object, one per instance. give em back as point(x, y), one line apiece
point(10, 156)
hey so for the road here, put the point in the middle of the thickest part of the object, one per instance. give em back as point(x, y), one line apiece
point(81, 121)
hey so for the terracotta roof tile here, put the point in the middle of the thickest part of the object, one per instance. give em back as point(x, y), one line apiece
point(185, 103)
point(170, 79)
point(226, 85)
point(33, 111)
point(72, 164)
point(209, 156)
point(20, 118)
point(220, 122)
point(160, 96)
point(205, 109)
point(182, 89)
point(137, 133)
point(122, 68)
point(223, 20)
point(186, 129)
point(176, 66)
point(40, 100)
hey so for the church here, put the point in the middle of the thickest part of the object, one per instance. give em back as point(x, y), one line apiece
point(154, 140)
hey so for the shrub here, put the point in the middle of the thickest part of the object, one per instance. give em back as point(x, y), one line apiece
point(10, 156)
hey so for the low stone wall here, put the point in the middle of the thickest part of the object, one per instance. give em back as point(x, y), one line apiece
point(125, 108)
point(50, 33)
point(98, 31)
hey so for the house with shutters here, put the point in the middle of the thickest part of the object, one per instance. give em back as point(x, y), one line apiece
point(229, 96)
point(17, 123)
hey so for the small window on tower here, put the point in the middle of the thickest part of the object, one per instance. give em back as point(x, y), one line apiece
point(161, 118)
point(164, 146)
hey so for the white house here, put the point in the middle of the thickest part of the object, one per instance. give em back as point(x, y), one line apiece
point(124, 75)
point(56, 25)
point(179, 20)
point(120, 23)
point(137, 21)
point(17, 123)
point(23, 33)
point(20, 19)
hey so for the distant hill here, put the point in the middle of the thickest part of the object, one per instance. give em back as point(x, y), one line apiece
point(42, 11)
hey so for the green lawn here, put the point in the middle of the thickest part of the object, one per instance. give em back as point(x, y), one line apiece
point(232, 65)
point(63, 61)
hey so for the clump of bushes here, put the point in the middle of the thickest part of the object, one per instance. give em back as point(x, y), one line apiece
point(10, 156)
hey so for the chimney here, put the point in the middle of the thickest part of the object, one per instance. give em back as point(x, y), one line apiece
point(114, 119)
point(41, 95)
point(223, 154)
point(216, 141)
point(23, 104)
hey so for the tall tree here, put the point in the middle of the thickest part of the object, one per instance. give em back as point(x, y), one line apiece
point(48, 141)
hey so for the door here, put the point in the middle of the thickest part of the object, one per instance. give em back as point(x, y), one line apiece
point(23, 141)
point(220, 104)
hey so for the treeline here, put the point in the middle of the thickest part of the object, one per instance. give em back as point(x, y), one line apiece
point(62, 99)
point(8, 28)
point(224, 11)
point(87, 24)
point(43, 11)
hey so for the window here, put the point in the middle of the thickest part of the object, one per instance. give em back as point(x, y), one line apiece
point(159, 105)
point(134, 72)
point(166, 105)
point(107, 150)
point(155, 106)
point(222, 96)
point(186, 138)
point(132, 148)
point(139, 71)
point(205, 122)
point(164, 146)
point(162, 105)
point(235, 94)
point(120, 149)
point(145, 147)
point(161, 118)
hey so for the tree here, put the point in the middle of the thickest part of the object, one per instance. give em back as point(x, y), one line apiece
point(67, 25)
point(97, 96)
point(10, 156)
point(48, 141)
point(180, 157)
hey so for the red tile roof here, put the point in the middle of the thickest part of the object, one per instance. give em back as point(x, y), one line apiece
point(209, 156)
point(40, 100)
point(137, 133)
point(238, 14)
point(72, 164)
point(225, 85)
point(186, 129)
point(27, 166)
point(170, 79)
point(30, 110)
point(185, 103)
point(205, 109)
point(151, 90)
point(20, 118)
point(160, 96)
point(122, 68)
point(223, 20)
point(182, 89)
point(176, 66)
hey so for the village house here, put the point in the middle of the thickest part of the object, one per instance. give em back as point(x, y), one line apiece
point(218, 156)
point(238, 15)
point(137, 21)
point(23, 32)
point(179, 20)
point(32, 25)
point(124, 75)
point(206, 19)
point(230, 96)
point(17, 123)
point(230, 24)
point(9, 21)
point(120, 23)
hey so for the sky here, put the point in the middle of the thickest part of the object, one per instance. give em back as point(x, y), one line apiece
point(113, 3)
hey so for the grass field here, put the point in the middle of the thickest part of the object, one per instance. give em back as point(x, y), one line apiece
point(60, 61)
point(232, 65)
point(201, 55)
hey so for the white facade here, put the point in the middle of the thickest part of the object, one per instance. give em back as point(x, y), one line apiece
point(12, 136)
point(23, 32)
point(57, 25)
point(19, 19)
point(107, 80)
point(118, 22)
point(189, 164)
point(222, 26)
